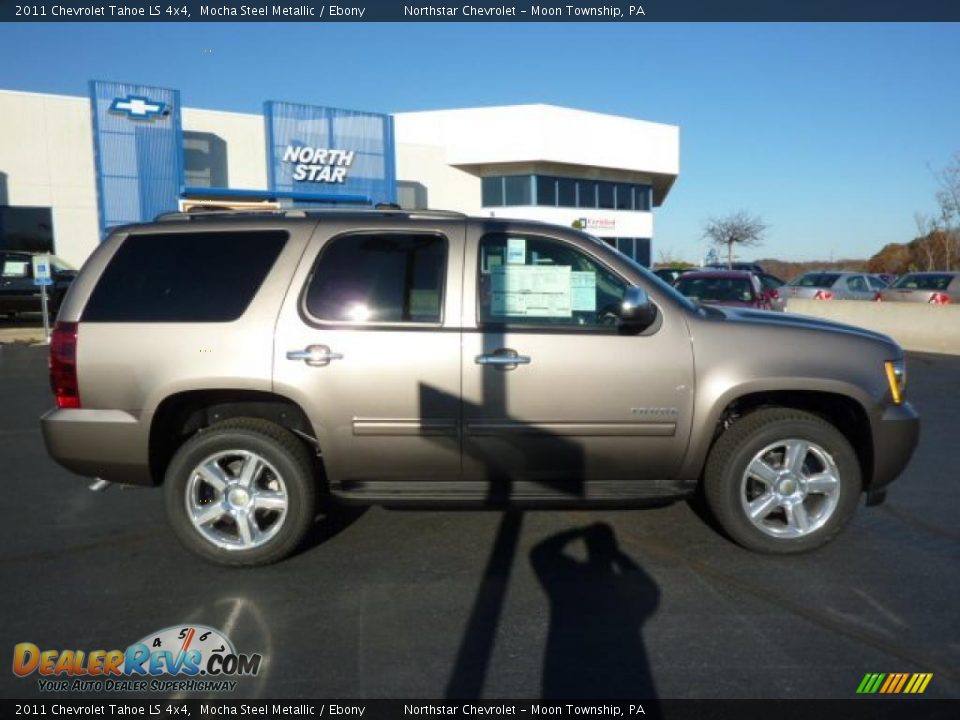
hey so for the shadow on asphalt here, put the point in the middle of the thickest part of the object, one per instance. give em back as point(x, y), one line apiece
point(598, 607)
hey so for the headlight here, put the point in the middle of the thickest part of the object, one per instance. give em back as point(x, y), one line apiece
point(897, 378)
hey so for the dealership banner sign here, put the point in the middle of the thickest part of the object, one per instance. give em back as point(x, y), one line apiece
point(138, 140)
point(329, 154)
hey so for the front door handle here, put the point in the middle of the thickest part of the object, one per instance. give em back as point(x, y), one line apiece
point(314, 355)
point(503, 358)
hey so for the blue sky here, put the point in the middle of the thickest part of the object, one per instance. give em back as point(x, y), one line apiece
point(827, 131)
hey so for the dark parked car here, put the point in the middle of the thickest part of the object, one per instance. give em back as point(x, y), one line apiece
point(671, 275)
point(733, 288)
point(744, 266)
point(18, 294)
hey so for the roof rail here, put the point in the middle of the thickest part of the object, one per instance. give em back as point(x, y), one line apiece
point(382, 209)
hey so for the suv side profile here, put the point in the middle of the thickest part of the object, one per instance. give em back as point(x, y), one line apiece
point(254, 363)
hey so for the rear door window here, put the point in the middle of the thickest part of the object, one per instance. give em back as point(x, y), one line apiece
point(375, 278)
point(184, 277)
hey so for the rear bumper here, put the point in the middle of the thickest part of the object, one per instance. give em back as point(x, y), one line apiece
point(895, 438)
point(109, 444)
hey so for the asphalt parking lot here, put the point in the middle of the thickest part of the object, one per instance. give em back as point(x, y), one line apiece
point(412, 604)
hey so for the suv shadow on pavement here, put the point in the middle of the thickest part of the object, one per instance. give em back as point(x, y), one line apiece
point(597, 610)
point(594, 647)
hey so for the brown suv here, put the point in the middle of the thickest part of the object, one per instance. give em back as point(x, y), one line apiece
point(250, 363)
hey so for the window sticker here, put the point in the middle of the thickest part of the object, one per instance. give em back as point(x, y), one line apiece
point(530, 291)
point(583, 291)
point(516, 251)
point(15, 268)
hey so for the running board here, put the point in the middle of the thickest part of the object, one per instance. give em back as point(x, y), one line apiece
point(507, 493)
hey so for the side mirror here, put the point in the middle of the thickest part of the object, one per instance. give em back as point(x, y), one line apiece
point(637, 312)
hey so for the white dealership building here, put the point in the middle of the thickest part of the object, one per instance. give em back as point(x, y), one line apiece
point(71, 167)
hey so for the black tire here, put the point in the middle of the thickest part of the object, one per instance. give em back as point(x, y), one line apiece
point(736, 448)
point(282, 450)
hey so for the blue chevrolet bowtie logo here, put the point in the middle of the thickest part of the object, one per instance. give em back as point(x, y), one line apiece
point(138, 107)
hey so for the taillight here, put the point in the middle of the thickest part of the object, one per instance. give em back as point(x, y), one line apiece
point(939, 298)
point(878, 297)
point(63, 365)
point(823, 295)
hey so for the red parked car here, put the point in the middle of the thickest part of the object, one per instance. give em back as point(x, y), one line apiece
point(734, 288)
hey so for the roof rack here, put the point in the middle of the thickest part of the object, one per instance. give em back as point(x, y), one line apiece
point(382, 209)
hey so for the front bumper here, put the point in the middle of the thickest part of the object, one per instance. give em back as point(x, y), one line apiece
point(895, 437)
point(108, 444)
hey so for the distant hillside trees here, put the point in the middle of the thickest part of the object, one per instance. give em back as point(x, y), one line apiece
point(937, 245)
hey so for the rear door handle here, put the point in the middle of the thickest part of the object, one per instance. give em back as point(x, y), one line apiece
point(314, 355)
point(504, 357)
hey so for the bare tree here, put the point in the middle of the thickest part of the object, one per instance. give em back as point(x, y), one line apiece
point(740, 228)
point(924, 243)
point(948, 200)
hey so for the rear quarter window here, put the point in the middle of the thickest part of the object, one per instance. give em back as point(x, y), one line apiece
point(184, 277)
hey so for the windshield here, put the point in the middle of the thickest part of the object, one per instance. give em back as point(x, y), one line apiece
point(924, 282)
point(60, 265)
point(819, 280)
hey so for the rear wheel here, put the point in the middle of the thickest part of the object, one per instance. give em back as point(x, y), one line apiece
point(782, 481)
point(241, 493)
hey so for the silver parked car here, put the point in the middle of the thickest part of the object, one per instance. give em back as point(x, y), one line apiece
point(935, 288)
point(834, 285)
point(391, 357)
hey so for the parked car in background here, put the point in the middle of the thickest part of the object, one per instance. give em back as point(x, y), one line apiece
point(18, 294)
point(746, 266)
point(733, 288)
point(935, 288)
point(672, 274)
point(888, 278)
point(772, 286)
point(834, 285)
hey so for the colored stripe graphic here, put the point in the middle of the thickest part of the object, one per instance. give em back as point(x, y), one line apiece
point(894, 683)
point(903, 681)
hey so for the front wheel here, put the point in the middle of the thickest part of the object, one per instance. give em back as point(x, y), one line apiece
point(782, 481)
point(241, 493)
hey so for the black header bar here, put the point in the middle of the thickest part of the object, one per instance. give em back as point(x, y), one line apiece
point(551, 11)
point(859, 709)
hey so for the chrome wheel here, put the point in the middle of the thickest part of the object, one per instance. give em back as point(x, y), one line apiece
point(790, 489)
point(236, 500)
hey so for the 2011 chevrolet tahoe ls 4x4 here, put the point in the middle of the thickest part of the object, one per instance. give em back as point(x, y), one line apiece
point(250, 362)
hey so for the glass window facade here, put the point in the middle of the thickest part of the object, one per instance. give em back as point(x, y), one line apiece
point(551, 191)
point(517, 190)
point(637, 249)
